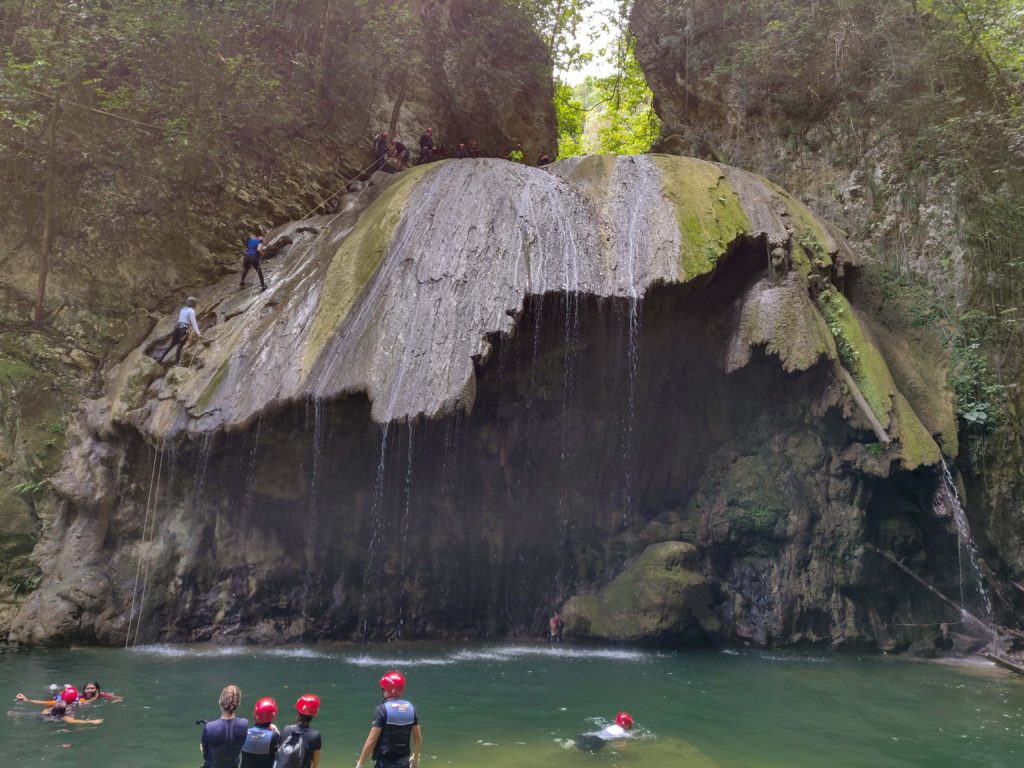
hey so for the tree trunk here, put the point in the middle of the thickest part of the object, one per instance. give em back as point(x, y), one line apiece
point(398, 105)
point(44, 243)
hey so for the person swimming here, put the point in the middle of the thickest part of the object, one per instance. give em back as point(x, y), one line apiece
point(91, 692)
point(598, 740)
point(61, 709)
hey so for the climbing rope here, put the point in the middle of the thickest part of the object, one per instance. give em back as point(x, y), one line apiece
point(154, 483)
point(342, 189)
point(152, 530)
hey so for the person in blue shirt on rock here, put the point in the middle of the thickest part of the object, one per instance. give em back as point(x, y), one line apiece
point(253, 254)
point(222, 740)
point(395, 739)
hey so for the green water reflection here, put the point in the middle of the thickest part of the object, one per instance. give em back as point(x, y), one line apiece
point(518, 705)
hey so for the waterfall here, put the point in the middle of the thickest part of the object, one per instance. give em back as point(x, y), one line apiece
point(947, 504)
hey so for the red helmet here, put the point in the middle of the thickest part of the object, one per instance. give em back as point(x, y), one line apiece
point(308, 704)
point(69, 694)
point(266, 710)
point(393, 683)
point(430, 130)
point(624, 719)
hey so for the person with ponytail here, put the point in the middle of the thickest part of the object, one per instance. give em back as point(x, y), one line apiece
point(222, 739)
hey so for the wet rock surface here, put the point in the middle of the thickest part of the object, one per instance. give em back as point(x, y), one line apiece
point(487, 394)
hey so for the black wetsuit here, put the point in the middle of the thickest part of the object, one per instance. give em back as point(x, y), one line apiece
point(311, 739)
point(426, 148)
point(462, 152)
point(395, 718)
point(401, 151)
point(222, 742)
point(944, 643)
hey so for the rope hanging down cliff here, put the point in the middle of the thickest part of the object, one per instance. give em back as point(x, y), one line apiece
point(151, 502)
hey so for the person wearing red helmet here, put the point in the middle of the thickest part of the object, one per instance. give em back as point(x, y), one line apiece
point(593, 742)
point(263, 739)
point(60, 709)
point(222, 739)
point(395, 739)
point(301, 744)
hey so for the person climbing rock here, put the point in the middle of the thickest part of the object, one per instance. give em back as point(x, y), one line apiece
point(222, 739)
point(555, 628)
point(462, 152)
point(944, 640)
point(381, 147)
point(594, 742)
point(300, 744)
point(401, 153)
point(427, 146)
point(186, 323)
point(395, 739)
point(543, 159)
point(516, 155)
point(253, 254)
point(263, 739)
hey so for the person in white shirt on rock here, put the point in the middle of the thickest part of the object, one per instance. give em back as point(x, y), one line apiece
point(186, 322)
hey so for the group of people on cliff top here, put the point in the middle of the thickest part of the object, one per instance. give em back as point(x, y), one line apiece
point(394, 156)
point(64, 702)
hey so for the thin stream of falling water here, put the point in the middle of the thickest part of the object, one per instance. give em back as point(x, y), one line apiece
point(948, 500)
point(406, 519)
point(632, 361)
point(311, 529)
point(251, 470)
point(202, 462)
point(376, 506)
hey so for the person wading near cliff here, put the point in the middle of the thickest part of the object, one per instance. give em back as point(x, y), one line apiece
point(594, 742)
point(222, 739)
point(263, 739)
point(427, 146)
point(395, 740)
point(186, 322)
point(253, 253)
point(555, 628)
point(301, 744)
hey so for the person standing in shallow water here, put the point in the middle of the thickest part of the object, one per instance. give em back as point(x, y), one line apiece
point(555, 628)
point(395, 739)
point(222, 739)
point(186, 323)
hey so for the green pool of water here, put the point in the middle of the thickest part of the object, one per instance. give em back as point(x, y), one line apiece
point(501, 706)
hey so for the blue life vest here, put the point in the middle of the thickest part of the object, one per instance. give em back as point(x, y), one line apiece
point(257, 741)
point(252, 246)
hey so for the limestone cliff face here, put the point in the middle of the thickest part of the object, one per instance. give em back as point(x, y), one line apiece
point(141, 221)
point(495, 389)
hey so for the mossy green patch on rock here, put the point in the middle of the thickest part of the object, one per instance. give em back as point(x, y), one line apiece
point(917, 448)
point(813, 246)
point(661, 594)
point(858, 354)
point(356, 260)
point(709, 213)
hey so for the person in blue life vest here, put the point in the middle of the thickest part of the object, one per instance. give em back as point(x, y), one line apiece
point(222, 739)
point(262, 739)
point(186, 323)
point(395, 739)
point(253, 254)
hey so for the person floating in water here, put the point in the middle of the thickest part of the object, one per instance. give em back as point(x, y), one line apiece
point(555, 628)
point(222, 739)
point(299, 742)
point(263, 739)
point(593, 742)
point(186, 323)
point(395, 739)
point(61, 708)
point(253, 254)
point(91, 692)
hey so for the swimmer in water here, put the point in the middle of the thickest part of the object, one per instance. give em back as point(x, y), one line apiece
point(91, 692)
point(61, 708)
point(594, 742)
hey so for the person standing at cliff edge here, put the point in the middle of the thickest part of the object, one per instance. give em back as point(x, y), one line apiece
point(427, 146)
point(186, 322)
point(395, 739)
point(253, 254)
